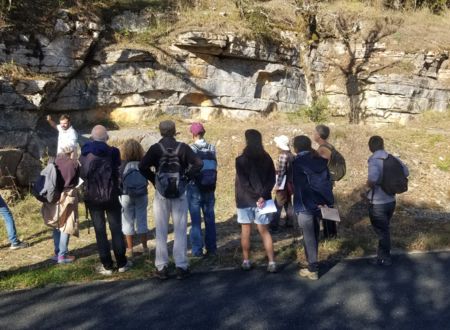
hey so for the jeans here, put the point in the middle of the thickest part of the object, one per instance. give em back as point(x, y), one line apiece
point(380, 218)
point(9, 222)
point(113, 214)
point(163, 209)
point(309, 224)
point(61, 242)
point(134, 213)
point(202, 202)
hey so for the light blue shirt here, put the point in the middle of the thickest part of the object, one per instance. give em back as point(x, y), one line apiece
point(375, 167)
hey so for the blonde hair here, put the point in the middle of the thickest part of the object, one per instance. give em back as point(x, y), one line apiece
point(131, 150)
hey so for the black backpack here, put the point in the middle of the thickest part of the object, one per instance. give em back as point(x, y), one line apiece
point(394, 180)
point(336, 165)
point(58, 184)
point(99, 186)
point(207, 179)
point(169, 181)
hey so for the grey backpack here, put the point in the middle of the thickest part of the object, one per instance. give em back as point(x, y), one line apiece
point(169, 179)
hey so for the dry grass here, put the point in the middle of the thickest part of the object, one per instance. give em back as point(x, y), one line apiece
point(422, 220)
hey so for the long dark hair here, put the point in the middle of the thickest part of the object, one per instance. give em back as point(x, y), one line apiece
point(254, 148)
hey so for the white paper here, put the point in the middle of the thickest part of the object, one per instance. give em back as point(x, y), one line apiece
point(80, 182)
point(269, 207)
point(330, 213)
point(283, 182)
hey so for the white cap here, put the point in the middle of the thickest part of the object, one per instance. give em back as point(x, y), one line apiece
point(282, 142)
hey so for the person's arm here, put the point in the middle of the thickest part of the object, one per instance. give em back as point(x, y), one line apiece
point(146, 163)
point(324, 152)
point(244, 180)
point(269, 178)
point(51, 122)
point(374, 173)
point(193, 162)
point(282, 168)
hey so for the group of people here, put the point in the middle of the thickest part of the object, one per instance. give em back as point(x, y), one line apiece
point(113, 185)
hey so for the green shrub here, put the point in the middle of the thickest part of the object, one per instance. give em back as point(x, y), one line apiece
point(317, 112)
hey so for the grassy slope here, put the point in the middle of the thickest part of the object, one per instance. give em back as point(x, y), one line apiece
point(419, 223)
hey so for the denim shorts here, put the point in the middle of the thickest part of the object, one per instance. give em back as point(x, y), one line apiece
point(249, 215)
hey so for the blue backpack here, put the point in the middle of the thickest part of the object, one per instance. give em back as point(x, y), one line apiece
point(320, 184)
point(134, 184)
point(207, 179)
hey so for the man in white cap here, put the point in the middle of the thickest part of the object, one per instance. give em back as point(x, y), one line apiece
point(283, 185)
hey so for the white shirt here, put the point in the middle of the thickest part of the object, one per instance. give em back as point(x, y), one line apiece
point(66, 137)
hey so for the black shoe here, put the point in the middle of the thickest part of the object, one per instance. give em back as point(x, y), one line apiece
point(209, 254)
point(381, 262)
point(162, 274)
point(182, 273)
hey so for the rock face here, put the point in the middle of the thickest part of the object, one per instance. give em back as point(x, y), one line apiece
point(394, 85)
point(205, 75)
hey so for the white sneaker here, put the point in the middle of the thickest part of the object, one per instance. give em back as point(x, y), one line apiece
point(125, 268)
point(20, 245)
point(102, 270)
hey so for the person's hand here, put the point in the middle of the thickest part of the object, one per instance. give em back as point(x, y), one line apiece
point(49, 118)
point(260, 203)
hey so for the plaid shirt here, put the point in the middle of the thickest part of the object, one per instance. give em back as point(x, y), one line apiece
point(282, 166)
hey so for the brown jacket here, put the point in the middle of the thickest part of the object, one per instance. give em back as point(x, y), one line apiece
point(64, 213)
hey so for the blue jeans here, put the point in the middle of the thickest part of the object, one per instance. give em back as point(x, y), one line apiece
point(9, 222)
point(380, 218)
point(309, 223)
point(61, 242)
point(202, 202)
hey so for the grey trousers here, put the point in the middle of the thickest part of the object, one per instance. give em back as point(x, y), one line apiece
point(163, 209)
point(309, 224)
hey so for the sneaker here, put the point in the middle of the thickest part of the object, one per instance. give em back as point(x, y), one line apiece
point(305, 272)
point(182, 273)
point(162, 274)
point(381, 261)
point(19, 245)
point(197, 255)
point(125, 268)
point(129, 253)
point(65, 259)
point(102, 270)
point(272, 267)
point(54, 258)
point(246, 265)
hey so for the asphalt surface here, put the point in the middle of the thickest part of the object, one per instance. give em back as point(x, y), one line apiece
point(412, 294)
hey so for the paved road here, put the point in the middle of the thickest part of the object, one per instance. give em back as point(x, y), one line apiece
point(412, 294)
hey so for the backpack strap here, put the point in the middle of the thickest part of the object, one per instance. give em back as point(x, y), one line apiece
point(165, 152)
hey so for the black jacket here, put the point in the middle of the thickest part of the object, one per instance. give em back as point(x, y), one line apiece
point(255, 178)
point(189, 161)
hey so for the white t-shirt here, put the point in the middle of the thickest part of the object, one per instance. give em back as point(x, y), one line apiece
point(68, 137)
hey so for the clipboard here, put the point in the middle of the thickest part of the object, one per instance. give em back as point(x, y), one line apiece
point(330, 213)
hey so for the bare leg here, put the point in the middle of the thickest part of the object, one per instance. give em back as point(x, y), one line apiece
point(267, 241)
point(245, 240)
point(144, 240)
point(129, 239)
